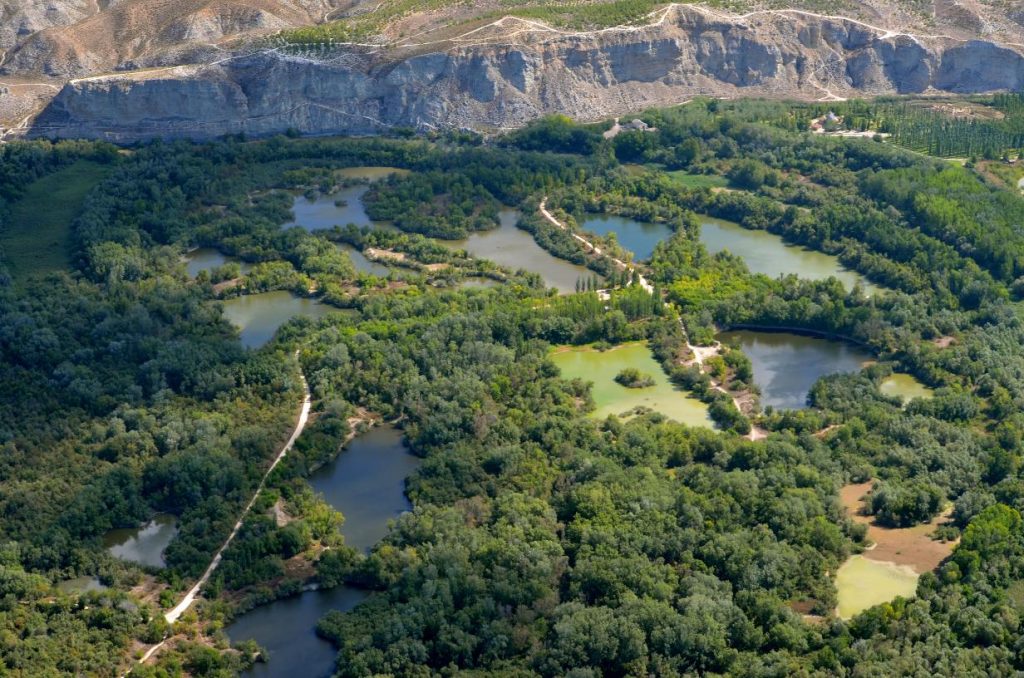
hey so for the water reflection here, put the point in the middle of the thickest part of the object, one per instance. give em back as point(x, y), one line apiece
point(366, 482)
point(516, 249)
point(258, 316)
point(362, 264)
point(639, 237)
point(767, 253)
point(208, 258)
point(786, 365)
point(144, 545)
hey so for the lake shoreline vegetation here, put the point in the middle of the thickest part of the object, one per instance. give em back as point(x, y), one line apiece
point(542, 540)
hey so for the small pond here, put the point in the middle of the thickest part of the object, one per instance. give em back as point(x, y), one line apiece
point(366, 482)
point(478, 283)
point(786, 365)
point(610, 397)
point(639, 237)
point(83, 584)
point(863, 583)
point(905, 387)
point(145, 544)
point(208, 258)
point(769, 254)
point(258, 316)
point(343, 207)
point(514, 248)
point(327, 211)
point(372, 173)
point(286, 629)
point(362, 264)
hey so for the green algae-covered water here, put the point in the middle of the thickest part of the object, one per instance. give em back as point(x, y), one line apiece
point(863, 583)
point(905, 387)
point(600, 367)
point(767, 253)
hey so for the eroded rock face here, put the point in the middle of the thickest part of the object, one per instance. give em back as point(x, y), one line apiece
point(21, 18)
point(489, 86)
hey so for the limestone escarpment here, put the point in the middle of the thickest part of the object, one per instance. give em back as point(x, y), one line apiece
point(497, 82)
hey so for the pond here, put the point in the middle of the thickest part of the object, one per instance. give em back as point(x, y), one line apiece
point(786, 365)
point(207, 259)
point(371, 172)
point(478, 283)
point(610, 397)
point(145, 544)
point(343, 207)
point(769, 254)
point(905, 387)
point(639, 237)
point(863, 583)
point(327, 211)
point(514, 248)
point(286, 629)
point(366, 482)
point(258, 316)
point(362, 264)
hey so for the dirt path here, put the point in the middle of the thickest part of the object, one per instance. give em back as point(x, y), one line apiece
point(190, 597)
point(193, 593)
point(621, 265)
point(702, 353)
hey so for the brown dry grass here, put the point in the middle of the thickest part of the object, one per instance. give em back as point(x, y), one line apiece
point(911, 546)
point(132, 30)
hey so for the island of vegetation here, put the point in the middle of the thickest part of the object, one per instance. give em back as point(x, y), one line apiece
point(631, 377)
point(539, 540)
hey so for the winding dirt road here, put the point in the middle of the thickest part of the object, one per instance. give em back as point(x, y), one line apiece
point(193, 593)
point(190, 597)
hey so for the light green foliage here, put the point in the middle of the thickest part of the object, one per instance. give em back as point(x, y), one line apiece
point(35, 237)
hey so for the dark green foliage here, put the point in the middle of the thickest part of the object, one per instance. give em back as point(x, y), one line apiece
point(631, 377)
point(441, 205)
point(904, 504)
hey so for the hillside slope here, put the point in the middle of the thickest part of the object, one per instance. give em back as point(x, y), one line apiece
point(203, 68)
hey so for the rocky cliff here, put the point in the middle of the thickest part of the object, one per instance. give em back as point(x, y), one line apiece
point(513, 71)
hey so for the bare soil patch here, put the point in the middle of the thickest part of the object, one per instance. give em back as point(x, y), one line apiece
point(375, 253)
point(912, 546)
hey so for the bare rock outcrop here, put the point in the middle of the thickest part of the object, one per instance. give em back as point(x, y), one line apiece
point(498, 83)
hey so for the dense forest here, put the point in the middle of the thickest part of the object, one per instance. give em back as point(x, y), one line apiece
point(543, 541)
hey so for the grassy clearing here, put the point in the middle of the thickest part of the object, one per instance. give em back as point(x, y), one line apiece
point(37, 237)
point(698, 180)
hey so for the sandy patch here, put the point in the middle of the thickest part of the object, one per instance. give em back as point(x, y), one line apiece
point(910, 546)
point(389, 255)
